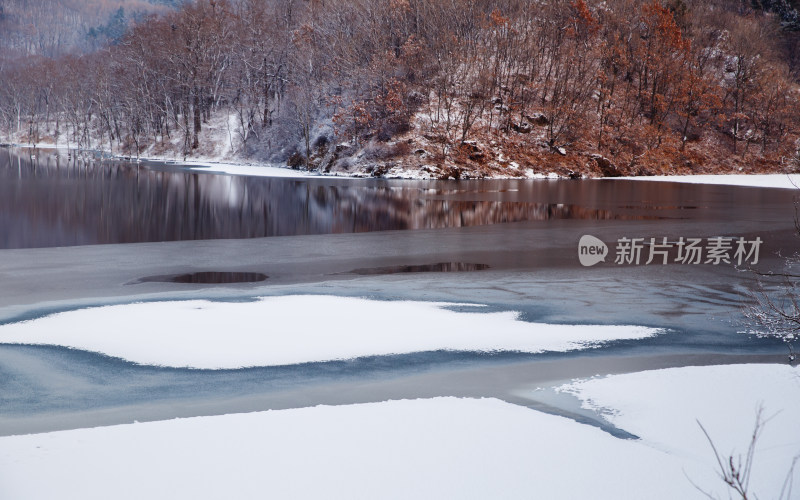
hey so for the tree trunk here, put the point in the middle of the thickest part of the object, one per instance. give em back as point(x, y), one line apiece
point(197, 121)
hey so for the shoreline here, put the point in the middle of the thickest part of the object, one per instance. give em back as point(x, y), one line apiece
point(262, 169)
point(256, 169)
point(507, 379)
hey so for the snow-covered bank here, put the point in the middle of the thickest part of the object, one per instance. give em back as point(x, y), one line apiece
point(784, 181)
point(425, 449)
point(435, 448)
point(214, 164)
point(226, 164)
point(284, 171)
point(249, 170)
point(781, 181)
point(663, 408)
point(297, 329)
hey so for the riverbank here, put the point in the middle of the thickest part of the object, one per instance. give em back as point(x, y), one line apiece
point(218, 165)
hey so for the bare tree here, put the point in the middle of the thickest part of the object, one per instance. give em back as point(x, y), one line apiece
point(777, 315)
point(637, 81)
point(736, 470)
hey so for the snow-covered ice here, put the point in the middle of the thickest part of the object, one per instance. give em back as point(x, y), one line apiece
point(423, 449)
point(433, 448)
point(296, 329)
point(784, 181)
point(663, 408)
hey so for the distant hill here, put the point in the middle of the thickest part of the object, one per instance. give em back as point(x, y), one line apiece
point(788, 11)
point(55, 27)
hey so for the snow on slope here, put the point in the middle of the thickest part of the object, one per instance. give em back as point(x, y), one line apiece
point(296, 329)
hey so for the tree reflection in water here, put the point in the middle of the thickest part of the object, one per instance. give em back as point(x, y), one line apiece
point(55, 200)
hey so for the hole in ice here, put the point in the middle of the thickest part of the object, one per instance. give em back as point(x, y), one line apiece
point(207, 277)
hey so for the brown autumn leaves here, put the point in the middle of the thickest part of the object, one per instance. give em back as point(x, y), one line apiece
point(456, 87)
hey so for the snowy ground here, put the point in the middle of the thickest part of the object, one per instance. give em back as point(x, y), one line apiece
point(297, 329)
point(784, 181)
point(663, 407)
point(434, 448)
point(249, 170)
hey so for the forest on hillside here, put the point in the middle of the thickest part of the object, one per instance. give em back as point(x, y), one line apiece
point(52, 28)
point(457, 88)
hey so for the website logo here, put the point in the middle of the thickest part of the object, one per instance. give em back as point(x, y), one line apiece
point(591, 250)
point(646, 251)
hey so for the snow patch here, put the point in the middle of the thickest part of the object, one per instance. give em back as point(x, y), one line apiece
point(663, 408)
point(297, 329)
point(249, 170)
point(424, 449)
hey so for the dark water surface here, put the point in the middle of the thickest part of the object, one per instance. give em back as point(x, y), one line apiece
point(207, 278)
point(505, 244)
point(50, 199)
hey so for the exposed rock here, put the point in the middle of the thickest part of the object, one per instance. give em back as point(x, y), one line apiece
point(436, 138)
point(472, 150)
point(471, 146)
point(606, 167)
point(451, 172)
point(295, 161)
point(537, 119)
point(326, 163)
point(522, 127)
point(379, 170)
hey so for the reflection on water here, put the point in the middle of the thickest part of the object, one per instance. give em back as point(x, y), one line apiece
point(440, 267)
point(57, 200)
point(206, 277)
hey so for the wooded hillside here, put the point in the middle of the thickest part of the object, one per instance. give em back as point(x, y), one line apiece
point(54, 27)
point(452, 87)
